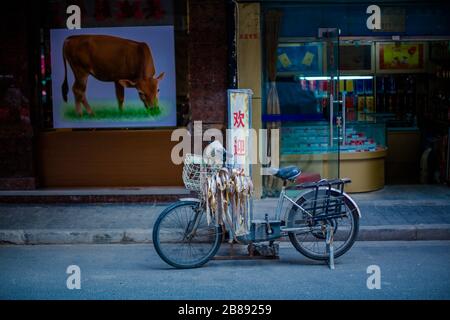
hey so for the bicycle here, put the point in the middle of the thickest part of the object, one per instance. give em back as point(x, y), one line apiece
point(322, 222)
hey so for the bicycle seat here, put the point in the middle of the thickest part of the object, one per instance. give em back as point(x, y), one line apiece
point(287, 173)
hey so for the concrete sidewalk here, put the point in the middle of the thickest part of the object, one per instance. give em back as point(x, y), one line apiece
point(394, 213)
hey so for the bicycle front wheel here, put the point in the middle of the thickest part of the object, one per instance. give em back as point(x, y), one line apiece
point(182, 236)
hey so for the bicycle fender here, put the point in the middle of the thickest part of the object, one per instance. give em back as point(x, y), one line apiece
point(179, 203)
point(189, 199)
point(354, 203)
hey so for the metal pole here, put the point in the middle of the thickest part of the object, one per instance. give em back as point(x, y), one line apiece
point(343, 118)
point(331, 119)
point(448, 156)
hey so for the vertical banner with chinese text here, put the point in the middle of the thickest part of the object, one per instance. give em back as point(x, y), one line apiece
point(239, 123)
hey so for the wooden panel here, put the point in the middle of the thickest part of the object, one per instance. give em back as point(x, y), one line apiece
point(404, 146)
point(366, 174)
point(403, 158)
point(256, 168)
point(365, 169)
point(116, 158)
point(249, 47)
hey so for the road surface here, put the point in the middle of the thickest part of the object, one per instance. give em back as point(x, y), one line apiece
point(408, 270)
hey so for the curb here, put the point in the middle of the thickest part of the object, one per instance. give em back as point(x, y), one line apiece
point(96, 236)
point(405, 232)
point(95, 195)
point(117, 236)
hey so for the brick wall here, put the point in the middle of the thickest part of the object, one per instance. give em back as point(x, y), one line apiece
point(208, 61)
point(16, 133)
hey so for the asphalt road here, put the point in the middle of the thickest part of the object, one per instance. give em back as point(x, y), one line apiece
point(409, 270)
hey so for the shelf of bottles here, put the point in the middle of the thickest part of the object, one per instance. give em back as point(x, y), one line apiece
point(363, 133)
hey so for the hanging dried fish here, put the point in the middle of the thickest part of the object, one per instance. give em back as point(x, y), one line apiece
point(207, 196)
point(222, 178)
point(227, 199)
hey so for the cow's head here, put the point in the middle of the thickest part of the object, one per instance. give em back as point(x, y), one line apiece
point(147, 89)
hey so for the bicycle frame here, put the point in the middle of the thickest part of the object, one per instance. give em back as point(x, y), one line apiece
point(322, 185)
point(283, 196)
point(280, 202)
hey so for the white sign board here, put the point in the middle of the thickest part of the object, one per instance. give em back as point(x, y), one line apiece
point(239, 123)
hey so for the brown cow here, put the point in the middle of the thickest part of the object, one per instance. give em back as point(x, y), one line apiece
point(125, 62)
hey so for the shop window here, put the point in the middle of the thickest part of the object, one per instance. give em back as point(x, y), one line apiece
point(312, 135)
point(396, 93)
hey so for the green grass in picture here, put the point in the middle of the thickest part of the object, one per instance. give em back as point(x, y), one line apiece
point(133, 111)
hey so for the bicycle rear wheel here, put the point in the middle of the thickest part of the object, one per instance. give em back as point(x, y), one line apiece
point(182, 236)
point(312, 243)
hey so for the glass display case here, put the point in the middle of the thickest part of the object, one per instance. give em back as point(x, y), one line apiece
point(313, 138)
point(328, 120)
point(357, 136)
point(359, 129)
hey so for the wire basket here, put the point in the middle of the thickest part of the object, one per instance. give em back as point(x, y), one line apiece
point(196, 170)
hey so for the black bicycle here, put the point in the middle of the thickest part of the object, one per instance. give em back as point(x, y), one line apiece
point(322, 223)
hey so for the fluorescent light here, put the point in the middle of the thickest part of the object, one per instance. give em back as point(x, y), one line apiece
point(355, 77)
point(335, 78)
point(314, 78)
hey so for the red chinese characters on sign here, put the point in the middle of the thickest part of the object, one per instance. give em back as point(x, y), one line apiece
point(126, 9)
point(248, 36)
point(238, 119)
point(239, 147)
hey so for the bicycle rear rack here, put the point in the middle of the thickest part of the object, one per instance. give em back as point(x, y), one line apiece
point(324, 206)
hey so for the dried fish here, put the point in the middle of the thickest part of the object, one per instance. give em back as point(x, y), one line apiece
point(227, 198)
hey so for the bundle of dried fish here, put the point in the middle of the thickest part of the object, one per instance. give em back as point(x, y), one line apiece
point(227, 199)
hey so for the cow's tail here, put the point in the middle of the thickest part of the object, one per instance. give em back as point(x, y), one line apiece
point(65, 86)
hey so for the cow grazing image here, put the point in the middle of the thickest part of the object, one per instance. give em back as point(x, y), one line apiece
point(127, 63)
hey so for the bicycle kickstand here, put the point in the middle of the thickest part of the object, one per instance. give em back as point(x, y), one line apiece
point(329, 247)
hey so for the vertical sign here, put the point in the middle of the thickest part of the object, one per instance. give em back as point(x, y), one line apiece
point(239, 123)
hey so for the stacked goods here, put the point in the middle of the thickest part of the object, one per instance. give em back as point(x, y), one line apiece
point(315, 140)
point(358, 142)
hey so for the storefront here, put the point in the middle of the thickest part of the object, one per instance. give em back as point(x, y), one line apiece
point(356, 90)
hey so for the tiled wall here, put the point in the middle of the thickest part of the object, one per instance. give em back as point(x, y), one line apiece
point(208, 60)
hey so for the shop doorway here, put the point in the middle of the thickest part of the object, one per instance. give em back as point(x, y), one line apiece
point(311, 109)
